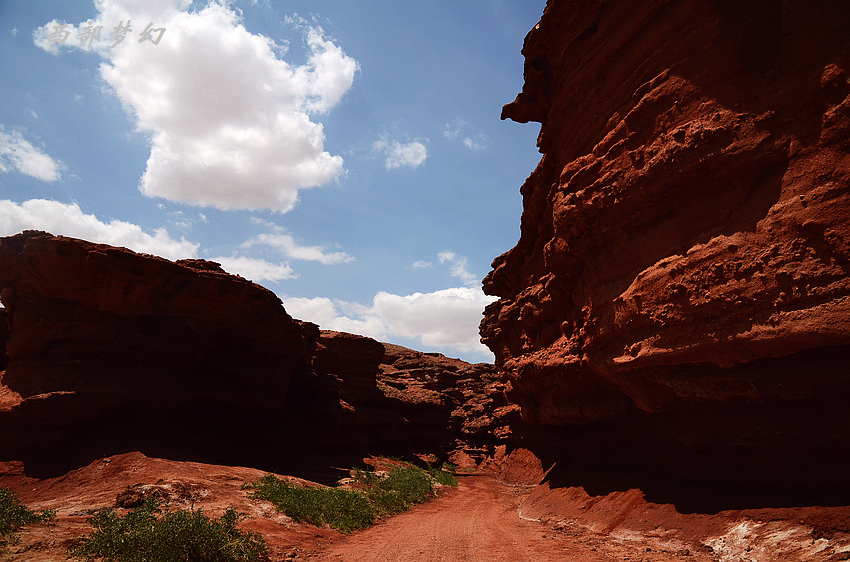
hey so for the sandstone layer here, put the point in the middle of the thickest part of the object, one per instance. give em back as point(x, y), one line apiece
point(679, 296)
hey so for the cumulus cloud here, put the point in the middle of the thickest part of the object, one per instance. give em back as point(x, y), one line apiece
point(230, 123)
point(338, 315)
point(278, 239)
point(421, 264)
point(69, 220)
point(447, 319)
point(459, 268)
point(256, 270)
point(18, 154)
point(400, 154)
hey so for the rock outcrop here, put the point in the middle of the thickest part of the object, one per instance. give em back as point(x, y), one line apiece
point(679, 297)
point(368, 397)
point(4, 335)
point(113, 349)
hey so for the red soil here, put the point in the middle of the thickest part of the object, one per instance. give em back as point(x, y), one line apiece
point(480, 520)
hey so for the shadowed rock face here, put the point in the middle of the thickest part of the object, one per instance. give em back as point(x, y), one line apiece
point(112, 351)
point(364, 397)
point(681, 280)
point(110, 347)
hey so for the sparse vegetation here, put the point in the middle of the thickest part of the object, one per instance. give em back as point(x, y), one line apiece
point(445, 476)
point(14, 515)
point(344, 510)
point(150, 534)
point(350, 510)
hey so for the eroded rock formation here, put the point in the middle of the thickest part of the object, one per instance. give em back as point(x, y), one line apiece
point(679, 295)
point(108, 347)
point(110, 351)
point(379, 398)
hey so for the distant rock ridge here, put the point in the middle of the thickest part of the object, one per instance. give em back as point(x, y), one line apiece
point(385, 398)
point(106, 350)
point(679, 297)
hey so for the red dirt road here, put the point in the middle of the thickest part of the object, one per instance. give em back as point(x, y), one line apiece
point(477, 522)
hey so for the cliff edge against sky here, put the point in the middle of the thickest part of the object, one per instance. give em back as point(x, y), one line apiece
point(681, 280)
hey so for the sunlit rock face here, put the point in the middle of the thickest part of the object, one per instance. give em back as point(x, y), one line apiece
point(681, 278)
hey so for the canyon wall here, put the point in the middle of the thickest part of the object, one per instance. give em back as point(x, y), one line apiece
point(106, 351)
point(111, 349)
point(679, 297)
point(368, 397)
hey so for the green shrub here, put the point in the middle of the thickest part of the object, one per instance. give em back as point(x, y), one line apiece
point(147, 534)
point(443, 477)
point(412, 484)
point(347, 510)
point(344, 510)
point(14, 514)
point(365, 477)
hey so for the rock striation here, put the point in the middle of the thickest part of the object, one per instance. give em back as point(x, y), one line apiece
point(679, 296)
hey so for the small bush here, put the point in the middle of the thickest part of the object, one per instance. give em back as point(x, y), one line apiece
point(146, 534)
point(365, 477)
point(15, 515)
point(344, 510)
point(443, 477)
point(347, 510)
point(412, 484)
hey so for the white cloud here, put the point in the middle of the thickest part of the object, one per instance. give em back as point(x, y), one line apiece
point(185, 222)
point(447, 319)
point(459, 269)
point(451, 131)
point(422, 264)
point(69, 220)
point(230, 123)
point(476, 145)
point(256, 270)
point(17, 153)
point(399, 154)
point(290, 248)
point(337, 315)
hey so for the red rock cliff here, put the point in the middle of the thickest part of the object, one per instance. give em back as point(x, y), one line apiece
point(108, 348)
point(685, 240)
point(365, 397)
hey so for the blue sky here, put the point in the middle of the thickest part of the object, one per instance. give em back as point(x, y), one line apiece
point(348, 155)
